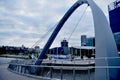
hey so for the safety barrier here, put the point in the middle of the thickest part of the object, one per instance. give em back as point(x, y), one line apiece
point(58, 70)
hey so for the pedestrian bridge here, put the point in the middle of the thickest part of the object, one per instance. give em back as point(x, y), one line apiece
point(60, 69)
point(104, 41)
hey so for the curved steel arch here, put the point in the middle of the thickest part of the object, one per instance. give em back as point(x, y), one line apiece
point(104, 40)
point(57, 29)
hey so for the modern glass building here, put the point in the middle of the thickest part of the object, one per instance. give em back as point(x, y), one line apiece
point(114, 17)
point(90, 41)
point(83, 40)
point(117, 37)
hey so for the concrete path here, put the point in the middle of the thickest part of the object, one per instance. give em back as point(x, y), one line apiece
point(7, 75)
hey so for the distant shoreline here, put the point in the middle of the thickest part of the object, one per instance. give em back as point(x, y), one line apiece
point(14, 56)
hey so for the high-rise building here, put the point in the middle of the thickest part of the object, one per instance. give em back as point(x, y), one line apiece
point(114, 16)
point(83, 40)
point(64, 49)
point(90, 41)
point(117, 37)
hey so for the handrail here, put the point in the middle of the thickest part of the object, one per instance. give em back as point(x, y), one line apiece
point(48, 71)
point(46, 66)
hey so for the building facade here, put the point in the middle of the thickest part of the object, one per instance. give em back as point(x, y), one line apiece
point(64, 49)
point(83, 40)
point(90, 41)
point(114, 17)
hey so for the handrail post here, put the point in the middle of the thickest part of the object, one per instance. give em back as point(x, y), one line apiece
point(51, 72)
point(61, 70)
point(73, 73)
point(61, 73)
point(89, 71)
point(17, 68)
point(20, 68)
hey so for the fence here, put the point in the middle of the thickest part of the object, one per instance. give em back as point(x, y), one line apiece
point(52, 69)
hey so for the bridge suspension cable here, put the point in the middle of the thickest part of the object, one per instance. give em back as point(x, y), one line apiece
point(78, 23)
point(44, 36)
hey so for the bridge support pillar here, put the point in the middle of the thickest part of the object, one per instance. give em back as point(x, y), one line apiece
point(106, 48)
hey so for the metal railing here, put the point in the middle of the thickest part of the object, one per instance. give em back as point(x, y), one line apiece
point(63, 69)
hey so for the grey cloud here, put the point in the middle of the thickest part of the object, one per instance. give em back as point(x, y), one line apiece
point(30, 19)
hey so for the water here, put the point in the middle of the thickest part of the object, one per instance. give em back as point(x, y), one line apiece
point(5, 60)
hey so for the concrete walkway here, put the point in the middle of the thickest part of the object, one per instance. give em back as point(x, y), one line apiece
point(7, 75)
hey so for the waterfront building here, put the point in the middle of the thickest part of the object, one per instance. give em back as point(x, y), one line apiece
point(56, 51)
point(83, 51)
point(64, 49)
point(64, 43)
point(90, 41)
point(64, 46)
point(83, 40)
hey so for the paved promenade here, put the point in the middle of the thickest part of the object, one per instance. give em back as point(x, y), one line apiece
point(7, 75)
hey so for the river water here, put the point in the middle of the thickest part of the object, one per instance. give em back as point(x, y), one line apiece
point(5, 60)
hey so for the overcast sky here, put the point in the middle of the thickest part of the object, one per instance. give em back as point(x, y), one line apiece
point(24, 22)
